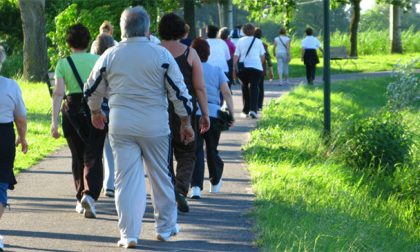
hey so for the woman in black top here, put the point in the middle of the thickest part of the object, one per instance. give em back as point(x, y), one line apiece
point(171, 30)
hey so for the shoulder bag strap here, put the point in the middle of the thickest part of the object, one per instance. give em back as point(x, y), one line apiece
point(249, 48)
point(75, 72)
point(281, 41)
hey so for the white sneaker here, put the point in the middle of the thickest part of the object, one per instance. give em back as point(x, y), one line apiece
point(88, 204)
point(127, 242)
point(79, 208)
point(253, 115)
point(195, 192)
point(167, 235)
point(1, 243)
point(243, 115)
point(215, 188)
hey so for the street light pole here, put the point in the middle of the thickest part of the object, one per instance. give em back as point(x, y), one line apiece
point(327, 73)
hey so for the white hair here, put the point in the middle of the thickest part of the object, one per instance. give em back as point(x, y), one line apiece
point(134, 22)
point(2, 56)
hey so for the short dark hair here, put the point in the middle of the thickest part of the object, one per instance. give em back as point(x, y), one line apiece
point(282, 31)
point(103, 42)
point(202, 47)
point(171, 27)
point(78, 37)
point(248, 29)
point(212, 31)
point(309, 31)
point(258, 33)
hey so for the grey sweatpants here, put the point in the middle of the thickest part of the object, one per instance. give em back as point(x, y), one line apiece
point(130, 153)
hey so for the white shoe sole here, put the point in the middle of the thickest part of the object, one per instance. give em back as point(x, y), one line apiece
point(130, 244)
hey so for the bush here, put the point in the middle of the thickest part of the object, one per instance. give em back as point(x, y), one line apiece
point(13, 66)
point(378, 142)
point(404, 91)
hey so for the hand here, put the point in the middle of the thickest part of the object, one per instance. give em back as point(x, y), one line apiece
point(204, 123)
point(54, 130)
point(22, 141)
point(98, 119)
point(187, 133)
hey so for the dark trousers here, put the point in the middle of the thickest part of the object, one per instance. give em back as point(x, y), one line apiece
point(7, 154)
point(250, 78)
point(261, 92)
point(310, 72)
point(184, 155)
point(86, 157)
point(214, 161)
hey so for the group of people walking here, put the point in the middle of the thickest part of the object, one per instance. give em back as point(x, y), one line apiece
point(129, 108)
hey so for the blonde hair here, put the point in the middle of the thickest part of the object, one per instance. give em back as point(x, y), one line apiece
point(106, 27)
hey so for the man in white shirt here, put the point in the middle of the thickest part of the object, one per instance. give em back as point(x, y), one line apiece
point(219, 51)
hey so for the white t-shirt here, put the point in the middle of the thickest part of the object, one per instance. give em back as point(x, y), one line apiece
point(219, 53)
point(310, 42)
point(11, 102)
point(253, 60)
point(280, 48)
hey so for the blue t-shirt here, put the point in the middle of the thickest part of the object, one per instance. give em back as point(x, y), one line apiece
point(213, 79)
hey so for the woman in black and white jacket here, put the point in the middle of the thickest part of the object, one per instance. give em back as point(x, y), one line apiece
point(249, 51)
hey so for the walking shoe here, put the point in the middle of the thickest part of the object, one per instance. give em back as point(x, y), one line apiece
point(88, 204)
point(79, 208)
point(110, 193)
point(195, 192)
point(215, 188)
point(253, 115)
point(167, 235)
point(182, 203)
point(1, 243)
point(243, 115)
point(127, 242)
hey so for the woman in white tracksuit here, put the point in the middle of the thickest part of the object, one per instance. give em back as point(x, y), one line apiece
point(281, 49)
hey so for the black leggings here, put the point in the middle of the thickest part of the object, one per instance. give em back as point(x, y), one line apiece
point(250, 78)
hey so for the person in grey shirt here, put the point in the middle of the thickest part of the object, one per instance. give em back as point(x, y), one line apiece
point(12, 109)
point(138, 77)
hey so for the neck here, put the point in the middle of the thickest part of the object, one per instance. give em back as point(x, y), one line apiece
point(74, 50)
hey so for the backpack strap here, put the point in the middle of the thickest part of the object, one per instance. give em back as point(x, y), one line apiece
point(75, 72)
point(249, 48)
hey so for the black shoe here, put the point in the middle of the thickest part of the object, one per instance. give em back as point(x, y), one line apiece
point(182, 203)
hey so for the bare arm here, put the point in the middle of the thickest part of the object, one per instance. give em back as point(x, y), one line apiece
point(20, 122)
point(274, 48)
point(200, 91)
point(57, 99)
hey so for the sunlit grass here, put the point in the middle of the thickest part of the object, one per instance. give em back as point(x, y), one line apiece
point(38, 104)
point(309, 201)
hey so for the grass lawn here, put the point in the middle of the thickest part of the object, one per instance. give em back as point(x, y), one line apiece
point(307, 200)
point(369, 63)
point(38, 104)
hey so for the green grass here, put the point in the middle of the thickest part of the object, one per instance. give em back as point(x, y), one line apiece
point(38, 104)
point(368, 63)
point(306, 200)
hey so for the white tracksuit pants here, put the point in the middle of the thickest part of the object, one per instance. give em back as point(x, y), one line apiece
point(130, 153)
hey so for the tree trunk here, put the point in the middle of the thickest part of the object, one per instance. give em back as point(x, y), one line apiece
point(229, 10)
point(354, 25)
point(225, 13)
point(189, 17)
point(395, 29)
point(35, 57)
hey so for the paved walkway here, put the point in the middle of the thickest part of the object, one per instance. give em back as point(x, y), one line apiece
point(42, 216)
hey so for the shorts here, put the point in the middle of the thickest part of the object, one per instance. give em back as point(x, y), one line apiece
point(3, 193)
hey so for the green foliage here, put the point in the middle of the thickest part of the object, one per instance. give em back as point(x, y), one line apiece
point(13, 66)
point(381, 141)
point(11, 36)
point(404, 91)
